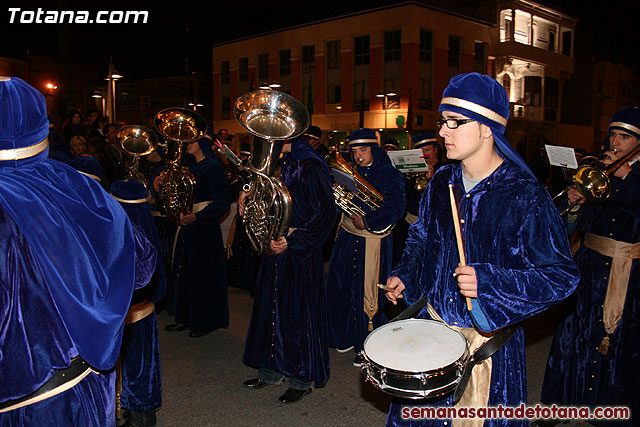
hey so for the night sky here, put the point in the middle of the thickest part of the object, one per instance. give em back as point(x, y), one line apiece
point(188, 28)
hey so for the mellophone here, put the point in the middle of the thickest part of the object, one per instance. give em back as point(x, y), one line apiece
point(419, 358)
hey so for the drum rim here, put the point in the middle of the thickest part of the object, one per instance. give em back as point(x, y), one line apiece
point(464, 355)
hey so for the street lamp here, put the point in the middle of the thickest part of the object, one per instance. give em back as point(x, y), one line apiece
point(195, 105)
point(386, 97)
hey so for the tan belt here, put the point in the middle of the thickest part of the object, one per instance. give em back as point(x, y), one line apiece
point(411, 218)
point(197, 207)
point(476, 395)
point(622, 255)
point(373, 245)
point(139, 311)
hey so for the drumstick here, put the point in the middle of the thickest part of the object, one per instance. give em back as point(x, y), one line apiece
point(456, 226)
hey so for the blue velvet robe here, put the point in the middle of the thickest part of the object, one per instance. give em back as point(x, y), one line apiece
point(514, 238)
point(140, 352)
point(348, 322)
point(288, 328)
point(402, 227)
point(577, 374)
point(54, 308)
point(198, 272)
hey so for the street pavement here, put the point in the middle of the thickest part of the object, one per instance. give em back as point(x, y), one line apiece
point(202, 380)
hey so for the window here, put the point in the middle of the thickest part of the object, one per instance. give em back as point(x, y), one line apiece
point(506, 83)
point(506, 25)
point(532, 90)
point(361, 95)
point(224, 72)
point(392, 50)
point(361, 50)
point(426, 45)
point(225, 108)
point(285, 62)
point(333, 54)
point(551, 90)
point(333, 94)
point(480, 63)
point(308, 58)
point(263, 66)
point(454, 51)
point(566, 42)
point(243, 69)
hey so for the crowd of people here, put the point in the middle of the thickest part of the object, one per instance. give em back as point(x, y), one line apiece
point(328, 283)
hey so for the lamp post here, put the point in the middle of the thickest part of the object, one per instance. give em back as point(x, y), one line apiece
point(111, 92)
point(386, 97)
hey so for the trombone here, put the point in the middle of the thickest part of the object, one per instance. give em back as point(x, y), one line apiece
point(594, 182)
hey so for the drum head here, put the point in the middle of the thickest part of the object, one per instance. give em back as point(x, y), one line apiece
point(415, 345)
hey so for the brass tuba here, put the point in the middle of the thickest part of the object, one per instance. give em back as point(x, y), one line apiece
point(136, 141)
point(271, 117)
point(344, 197)
point(593, 181)
point(179, 127)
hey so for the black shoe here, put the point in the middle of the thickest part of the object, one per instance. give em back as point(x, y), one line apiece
point(292, 395)
point(175, 327)
point(256, 384)
point(357, 361)
point(199, 332)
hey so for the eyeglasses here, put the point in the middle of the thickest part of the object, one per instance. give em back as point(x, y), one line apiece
point(453, 123)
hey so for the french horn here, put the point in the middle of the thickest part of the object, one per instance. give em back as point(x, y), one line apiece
point(179, 127)
point(271, 117)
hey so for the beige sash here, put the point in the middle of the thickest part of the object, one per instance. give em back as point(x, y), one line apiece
point(476, 395)
point(622, 255)
point(373, 244)
point(411, 218)
point(197, 207)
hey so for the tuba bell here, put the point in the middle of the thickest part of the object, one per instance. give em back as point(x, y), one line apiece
point(136, 141)
point(179, 127)
point(344, 197)
point(271, 117)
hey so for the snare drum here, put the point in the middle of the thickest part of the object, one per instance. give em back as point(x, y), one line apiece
point(414, 358)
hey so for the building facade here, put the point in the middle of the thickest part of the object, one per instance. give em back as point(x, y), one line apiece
point(383, 60)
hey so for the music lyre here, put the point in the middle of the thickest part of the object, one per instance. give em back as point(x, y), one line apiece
point(456, 225)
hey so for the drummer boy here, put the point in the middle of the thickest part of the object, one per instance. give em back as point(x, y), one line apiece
point(516, 248)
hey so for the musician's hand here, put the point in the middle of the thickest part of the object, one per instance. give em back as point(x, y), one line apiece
point(467, 281)
point(358, 221)
point(279, 246)
point(187, 219)
point(574, 195)
point(393, 289)
point(158, 181)
point(241, 199)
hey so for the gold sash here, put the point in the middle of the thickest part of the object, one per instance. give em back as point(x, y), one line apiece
point(476, 395)
point(373, 245)
point(622, 255)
